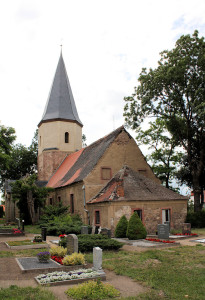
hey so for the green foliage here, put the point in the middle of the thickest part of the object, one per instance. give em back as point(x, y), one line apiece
point(93, 290)
point(86, 242)
point(197, 219)
point(23, 293)
point(121, 228)
point(135, 228)
point(174, 92)
point(20, 190)
point(74, 259)
point(58, 251)
point(17, 160)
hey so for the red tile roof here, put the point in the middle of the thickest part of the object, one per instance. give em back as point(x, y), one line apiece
point(129, 185)
point(78, 165)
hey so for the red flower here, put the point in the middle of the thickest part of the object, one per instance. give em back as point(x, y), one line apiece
point(160, 241)
point(57, 259)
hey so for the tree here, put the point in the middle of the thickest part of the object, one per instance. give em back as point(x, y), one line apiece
point(164, 157)
point(175, 93)
point(135, 228)
point(29, 197)
point(7, 138)
point(121, 228)
point(20, 161)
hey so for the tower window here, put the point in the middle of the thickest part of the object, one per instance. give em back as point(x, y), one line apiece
point(66, 137)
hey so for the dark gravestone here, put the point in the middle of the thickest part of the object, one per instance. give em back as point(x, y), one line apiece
point(44, 233)
point(186, 228)
point(72, 243)
point(167, 223)
point(84, 230)
point(163, 231)
point(106, 231)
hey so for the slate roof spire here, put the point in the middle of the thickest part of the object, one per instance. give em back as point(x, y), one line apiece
point(60, 104)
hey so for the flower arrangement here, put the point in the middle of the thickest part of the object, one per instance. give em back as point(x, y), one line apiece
point(43, 256)
point(188, 234)
point(16, 231)
point(160, 241)
point(62, 236)
point(57, 259)
point(62, 276)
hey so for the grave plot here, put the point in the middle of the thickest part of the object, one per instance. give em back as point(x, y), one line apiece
point(25, 244)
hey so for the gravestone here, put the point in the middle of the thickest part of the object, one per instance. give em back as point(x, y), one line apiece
point(97, 259)
point(167, 223)
point(84, 229)
point(44, 233)
point(163, 231)
point(72, 243)
point(106, 231)
point(186, 228)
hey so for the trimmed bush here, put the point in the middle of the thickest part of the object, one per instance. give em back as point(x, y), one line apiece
point(93, 290)
point(121, 228)
point(86, 242)
point(58, 251)
point(135, 228)
point(74, 259)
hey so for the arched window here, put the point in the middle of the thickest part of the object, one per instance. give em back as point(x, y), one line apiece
point(66, 137)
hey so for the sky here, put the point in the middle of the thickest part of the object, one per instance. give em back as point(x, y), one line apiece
point(105, 46)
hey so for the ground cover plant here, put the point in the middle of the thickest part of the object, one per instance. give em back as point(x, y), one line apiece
point(92, 290)
point(174, 272)
point(18, 293)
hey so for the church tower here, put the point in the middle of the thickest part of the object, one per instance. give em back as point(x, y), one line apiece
point(60, 129)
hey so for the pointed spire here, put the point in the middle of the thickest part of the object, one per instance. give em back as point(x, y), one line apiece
point(61, 104)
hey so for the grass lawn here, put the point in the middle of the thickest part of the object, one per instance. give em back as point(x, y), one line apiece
point(23, 242)
point(168, 273)
point(17, 293)
point(21, 253)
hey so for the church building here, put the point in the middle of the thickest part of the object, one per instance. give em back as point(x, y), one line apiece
point(104, 180)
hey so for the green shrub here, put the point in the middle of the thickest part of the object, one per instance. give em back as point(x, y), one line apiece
point(86, 242)
point(92, 290)
point(135, 228)
point(74, 259)
point(121, 228)
point(197, 219)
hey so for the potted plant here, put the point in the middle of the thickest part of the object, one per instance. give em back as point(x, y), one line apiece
point(43, 257)
point(37, 239)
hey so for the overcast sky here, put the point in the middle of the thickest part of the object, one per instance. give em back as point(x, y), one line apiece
point(105, 46)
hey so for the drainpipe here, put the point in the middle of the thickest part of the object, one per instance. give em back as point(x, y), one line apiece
point(88, 214)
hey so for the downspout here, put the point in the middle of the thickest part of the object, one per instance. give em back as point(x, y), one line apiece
point(88, 214)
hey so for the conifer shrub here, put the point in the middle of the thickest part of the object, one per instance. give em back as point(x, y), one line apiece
point(74, 259)
point(121, 228)
point(135, 228)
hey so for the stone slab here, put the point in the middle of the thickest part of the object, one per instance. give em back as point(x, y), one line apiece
point(198, 241)
point(34, 246)
point(29, 264)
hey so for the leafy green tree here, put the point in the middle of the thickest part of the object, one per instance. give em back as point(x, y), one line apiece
point(29, 197)
point(135, 228)
point(175, 93)
point(121, 228)
point(20, 161)
point(165, 157)
point(7, 138)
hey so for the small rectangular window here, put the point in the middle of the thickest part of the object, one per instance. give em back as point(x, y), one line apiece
point(72, 209)
point(59, 199)
point(51, 201)
point(106, 173)
point(66, 137)
point(97, 217)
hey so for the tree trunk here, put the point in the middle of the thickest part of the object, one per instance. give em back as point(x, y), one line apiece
point(30, 202)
